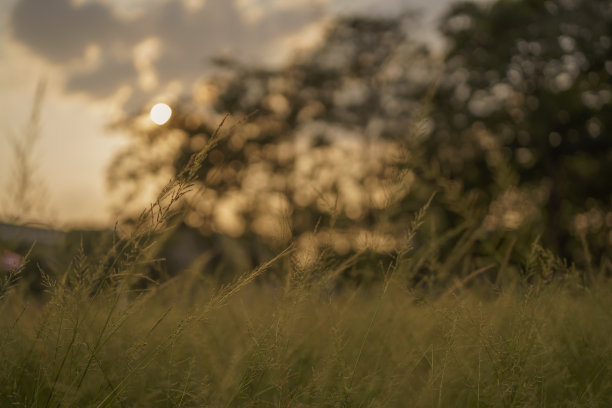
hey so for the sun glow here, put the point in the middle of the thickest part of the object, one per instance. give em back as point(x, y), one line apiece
point(160, 113)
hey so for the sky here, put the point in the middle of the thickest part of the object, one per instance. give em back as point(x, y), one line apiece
point(101, 59)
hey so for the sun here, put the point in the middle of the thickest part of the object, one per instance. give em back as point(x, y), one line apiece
point(160, 113)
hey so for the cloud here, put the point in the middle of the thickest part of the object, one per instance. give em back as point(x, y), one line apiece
point(102, 82)
point(59, 31)
point(185, 38)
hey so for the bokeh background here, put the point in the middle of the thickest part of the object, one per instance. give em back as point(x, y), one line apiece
point(105, 59)
point(345, 119)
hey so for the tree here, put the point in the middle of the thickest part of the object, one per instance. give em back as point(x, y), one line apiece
point(319, 148)
point(346, 142)
point(523, 115)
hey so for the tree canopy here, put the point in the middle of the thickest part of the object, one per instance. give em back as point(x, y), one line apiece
point(526, 97)
point(512, 130)
point(321, 146)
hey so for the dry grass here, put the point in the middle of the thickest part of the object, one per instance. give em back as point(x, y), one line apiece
point(94, 342)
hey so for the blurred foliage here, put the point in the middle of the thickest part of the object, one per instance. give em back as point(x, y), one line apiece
point(523, 116)
point(321, 159)
point(338, 149)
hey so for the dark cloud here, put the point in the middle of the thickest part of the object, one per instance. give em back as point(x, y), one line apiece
point(61, 32)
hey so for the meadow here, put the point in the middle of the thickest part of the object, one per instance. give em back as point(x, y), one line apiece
point(189, 343)
point(536, 336)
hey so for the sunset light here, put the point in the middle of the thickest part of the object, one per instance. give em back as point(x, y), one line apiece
point(306, 203)
point(160, 113)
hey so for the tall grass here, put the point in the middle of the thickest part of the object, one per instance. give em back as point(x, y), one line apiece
point(538, 339)
point(188, 345)
point(27, 194)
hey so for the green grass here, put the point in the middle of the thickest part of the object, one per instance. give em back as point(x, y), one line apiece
point(190, 345)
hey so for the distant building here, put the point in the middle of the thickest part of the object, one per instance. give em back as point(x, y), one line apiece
point(10, 233)
point(16, 240)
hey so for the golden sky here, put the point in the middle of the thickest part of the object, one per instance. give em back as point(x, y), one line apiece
point(103, 58)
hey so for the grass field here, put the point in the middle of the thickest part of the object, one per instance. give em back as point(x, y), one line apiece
point(537, 335)
point(189, 342)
